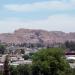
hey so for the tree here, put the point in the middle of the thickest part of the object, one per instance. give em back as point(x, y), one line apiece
point(70, 45)
point(24, 69)
point(2, 49)
point(49, 62)
point(13, 70)
point(26, 57)
point(67, 44)
point(6, 65)
point(22, 51)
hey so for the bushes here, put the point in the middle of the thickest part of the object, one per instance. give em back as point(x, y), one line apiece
point(20, 70)
point(13, 70)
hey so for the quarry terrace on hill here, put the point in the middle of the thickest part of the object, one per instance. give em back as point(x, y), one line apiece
point(36, 36)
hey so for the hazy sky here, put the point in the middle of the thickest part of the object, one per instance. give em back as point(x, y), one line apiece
point(52, 15)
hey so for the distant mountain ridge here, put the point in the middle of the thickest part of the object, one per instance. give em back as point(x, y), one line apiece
point(36, 36)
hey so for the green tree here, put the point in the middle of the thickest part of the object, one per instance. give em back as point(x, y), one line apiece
point(13, 70)
point(70, 45)
point(20, 70)
point(24, 69)
point(2, 49)
point(49, 62)
point(26, 57)
point(6, 66)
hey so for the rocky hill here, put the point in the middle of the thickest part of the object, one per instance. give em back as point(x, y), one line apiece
point(36, 36)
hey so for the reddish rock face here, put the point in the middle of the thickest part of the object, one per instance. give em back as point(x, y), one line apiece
point(36, 36)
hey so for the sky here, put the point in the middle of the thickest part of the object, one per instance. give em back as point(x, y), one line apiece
point(51, 15)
